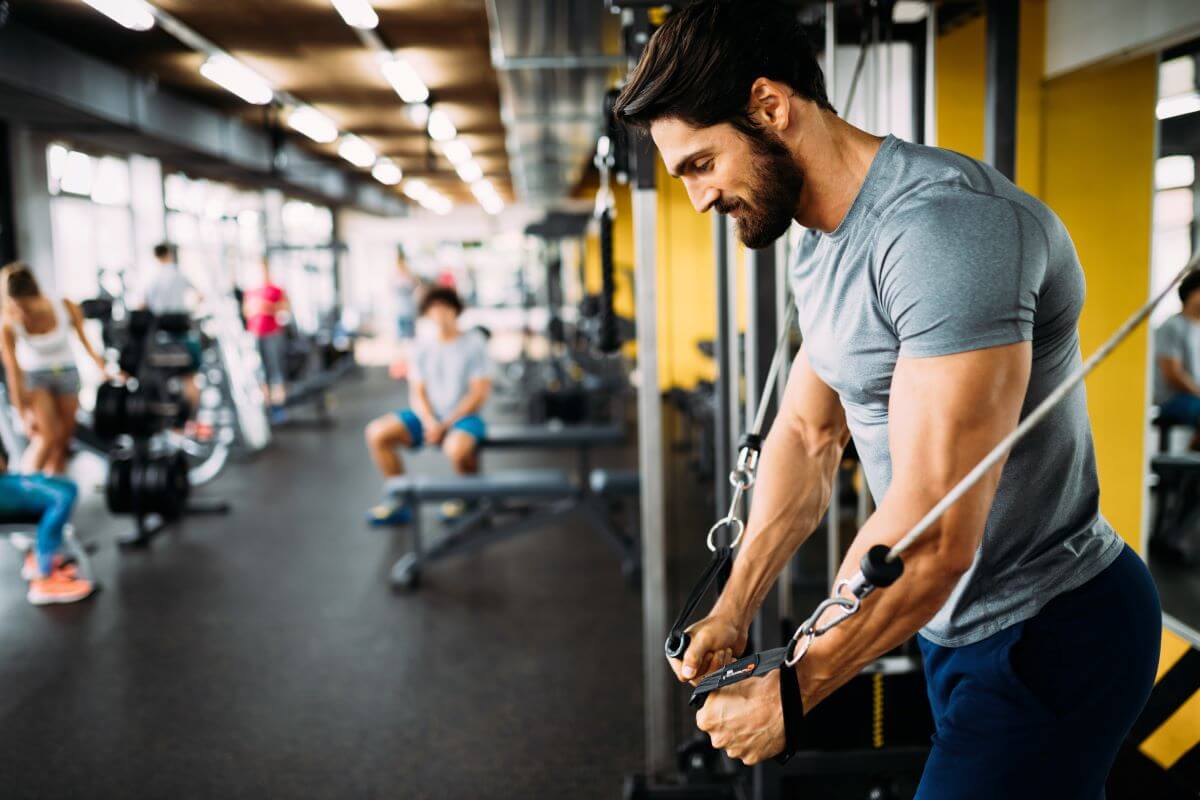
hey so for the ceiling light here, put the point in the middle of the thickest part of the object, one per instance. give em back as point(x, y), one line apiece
point(313, 124)
point(356, 151)
point(469, 171)
point(416, 188)
point(483, 189)
point(357, 13)
point(1178, 105)
point(441, 129)
point(404, 79)
point(438, 203)
point(418, 113)
point(909, 11)
point(1174, 172)
point(492, 205)
point(236, 77)
point(457, 152)
point(386, 172)
point(137, 15)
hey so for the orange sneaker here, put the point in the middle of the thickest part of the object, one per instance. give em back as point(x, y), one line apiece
point(30, 570)
point(60, 587)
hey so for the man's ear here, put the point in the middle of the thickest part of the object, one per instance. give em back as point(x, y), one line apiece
point(770, 104)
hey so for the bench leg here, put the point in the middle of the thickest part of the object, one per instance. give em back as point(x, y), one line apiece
point(479, 537)
point(406, 572)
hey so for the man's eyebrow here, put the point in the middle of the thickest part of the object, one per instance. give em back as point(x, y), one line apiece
point(682, 164)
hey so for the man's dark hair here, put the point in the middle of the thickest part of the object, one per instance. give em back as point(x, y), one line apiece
point(18, 282)
point(700, 65)
point(443, 295)
point(164, 250)
point(1189, 284)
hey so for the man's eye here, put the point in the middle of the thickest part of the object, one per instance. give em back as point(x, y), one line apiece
point(705, 167)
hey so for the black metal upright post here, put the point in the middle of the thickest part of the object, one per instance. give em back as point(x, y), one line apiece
point(8, 214)
point(762, 333)
point(1000, 131)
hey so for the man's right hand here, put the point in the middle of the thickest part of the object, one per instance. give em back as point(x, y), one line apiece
point(434, 431)
point(716, 640)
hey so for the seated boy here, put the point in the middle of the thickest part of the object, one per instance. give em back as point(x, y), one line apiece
point(51, 500)
point(449, 380)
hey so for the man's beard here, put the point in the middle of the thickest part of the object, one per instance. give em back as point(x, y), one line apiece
point(775, 188)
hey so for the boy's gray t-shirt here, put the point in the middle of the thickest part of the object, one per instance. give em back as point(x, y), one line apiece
point(447, 369)
point(941, 254)
point(1177, 338)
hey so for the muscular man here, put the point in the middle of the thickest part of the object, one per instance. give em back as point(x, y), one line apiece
point(1177, 358)
point(940, 304)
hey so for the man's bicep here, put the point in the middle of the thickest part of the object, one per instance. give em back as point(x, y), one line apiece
point(810, 407)
point(946, 413)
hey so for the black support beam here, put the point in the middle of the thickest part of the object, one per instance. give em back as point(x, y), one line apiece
point(1000, 131)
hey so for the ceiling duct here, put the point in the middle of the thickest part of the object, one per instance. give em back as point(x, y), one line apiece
point(555, 59)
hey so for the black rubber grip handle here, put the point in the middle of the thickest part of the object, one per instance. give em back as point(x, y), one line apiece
point(677, 644)
point(878, 570)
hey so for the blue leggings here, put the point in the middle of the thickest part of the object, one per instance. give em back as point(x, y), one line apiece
point(51, 499)
point(1040, 709)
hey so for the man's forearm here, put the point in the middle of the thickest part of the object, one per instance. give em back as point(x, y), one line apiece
point(792, 491)
point(469, 405)
point(420, 404)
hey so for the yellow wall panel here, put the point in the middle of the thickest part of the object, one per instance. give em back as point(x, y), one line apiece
point(1030, 68)
point(960, 71)
point(686, 285)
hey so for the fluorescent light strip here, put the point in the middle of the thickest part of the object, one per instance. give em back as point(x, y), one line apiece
point(313, 124)
point(404, 79)
point(469, 171)
point(136, 15)
point(386, 172)
point(416, 188)
point(441, 129)
point(234, 76)
point(357, 13)
point(1178, 105)
point(456, 152)
point(356, 151)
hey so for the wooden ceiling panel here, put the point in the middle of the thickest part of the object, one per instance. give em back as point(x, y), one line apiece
point(304, 48)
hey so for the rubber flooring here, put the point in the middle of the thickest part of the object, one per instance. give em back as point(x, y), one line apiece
point(262, 654)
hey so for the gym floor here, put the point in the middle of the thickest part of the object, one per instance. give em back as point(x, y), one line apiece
point(262, 653)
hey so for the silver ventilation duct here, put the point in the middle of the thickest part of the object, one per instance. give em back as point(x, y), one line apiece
point(555, 59)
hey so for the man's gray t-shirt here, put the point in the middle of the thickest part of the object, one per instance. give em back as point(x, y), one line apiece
point(447, 369)
point(1177, 338)
point(941, 254)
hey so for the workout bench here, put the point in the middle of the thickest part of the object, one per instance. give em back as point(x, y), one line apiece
point(531, 497)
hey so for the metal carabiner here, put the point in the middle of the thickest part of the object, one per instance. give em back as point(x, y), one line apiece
point(811, 628)
point(730, 521)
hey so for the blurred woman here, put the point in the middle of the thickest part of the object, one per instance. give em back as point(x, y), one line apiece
point(43, 382)
point(262, 307)
point(52, 579)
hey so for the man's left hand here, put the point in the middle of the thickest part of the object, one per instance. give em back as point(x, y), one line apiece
point(745, 719)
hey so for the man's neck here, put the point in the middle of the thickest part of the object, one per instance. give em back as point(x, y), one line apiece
point(448, 335)
point(1191, 314)
point(835, 157)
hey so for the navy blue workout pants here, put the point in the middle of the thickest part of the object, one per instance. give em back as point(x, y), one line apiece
point(1040, 709)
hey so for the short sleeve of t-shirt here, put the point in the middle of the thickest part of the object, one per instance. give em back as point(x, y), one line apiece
point(416, 363)
point(478, 364)
point(960, 271)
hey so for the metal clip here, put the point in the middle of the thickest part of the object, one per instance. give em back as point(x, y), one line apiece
point(811, 628)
